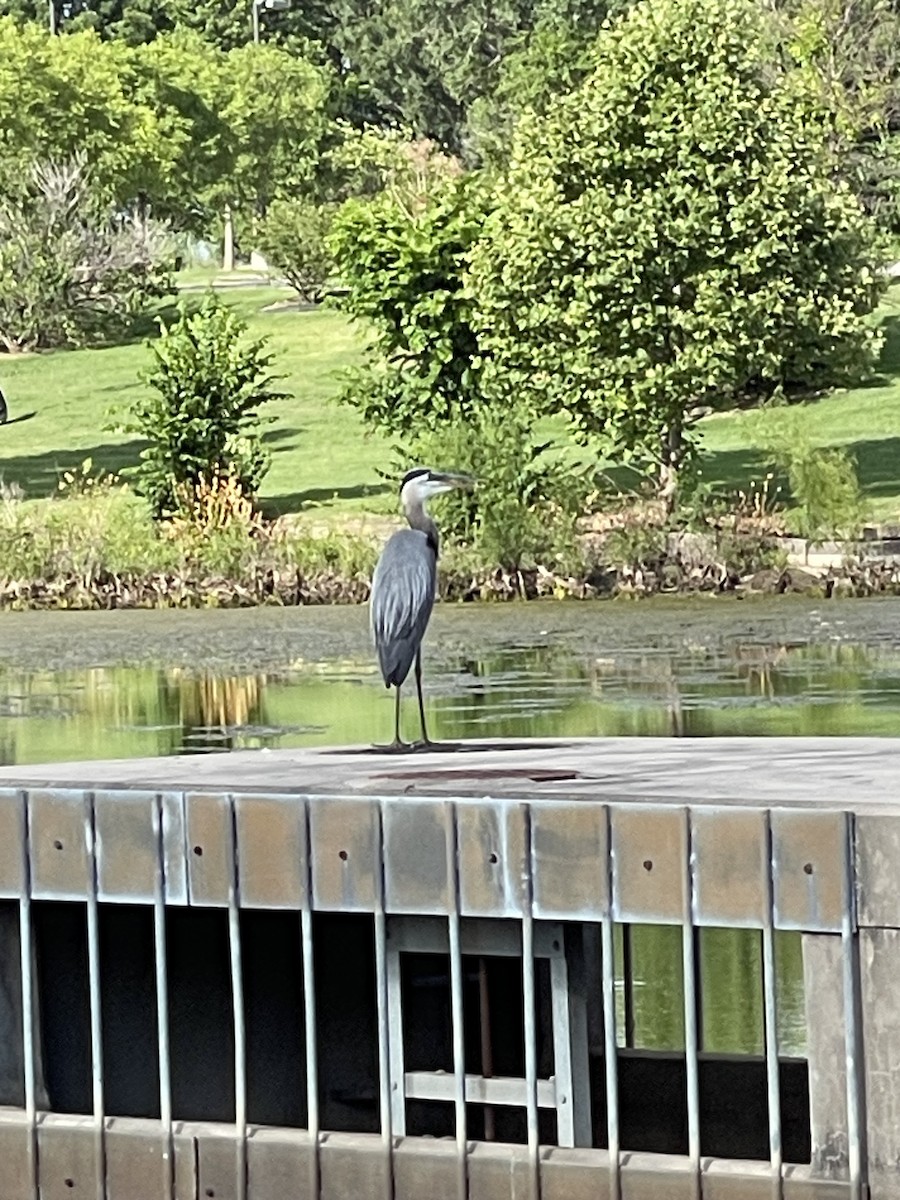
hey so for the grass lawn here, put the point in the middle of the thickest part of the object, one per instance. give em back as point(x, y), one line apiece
point(325, 463)
point(62, 403)
point(866, 420)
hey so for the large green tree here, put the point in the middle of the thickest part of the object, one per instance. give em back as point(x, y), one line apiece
point(673, 235)
point(177, 125)
point(61, 97)
point(223, 23)
point(425, 65)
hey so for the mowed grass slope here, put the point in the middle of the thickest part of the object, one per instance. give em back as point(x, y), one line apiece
point(62, 405)
point(864, 420)
point(326, 463)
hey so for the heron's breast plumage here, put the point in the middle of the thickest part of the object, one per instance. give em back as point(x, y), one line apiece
point(403, 589)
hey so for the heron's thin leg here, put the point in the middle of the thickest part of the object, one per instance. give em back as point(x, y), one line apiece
point(426, 741)
point(397, 740)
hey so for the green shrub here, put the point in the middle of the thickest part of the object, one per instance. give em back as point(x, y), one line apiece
point(202, 418)
point(70, 271)
point(671, 236)
point(823, 481)
point(293, 237)
point(527, 498)
point(403, 259)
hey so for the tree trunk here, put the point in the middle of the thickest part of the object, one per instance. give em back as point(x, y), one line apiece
point(671, 456)
point(228, 240)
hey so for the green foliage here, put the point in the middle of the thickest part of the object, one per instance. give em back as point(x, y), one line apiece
point(523, 509)
point(849, 54)
point(293, 237)
point(177, 125)
point(425, 66)
point(202, 420)
point(106, 529)
point(275, 105)
point(551, 61)
point(670, 237)
point(65, 96)
point(823, 480)
point(422, 64)
point(403, 261)
point(70, 271)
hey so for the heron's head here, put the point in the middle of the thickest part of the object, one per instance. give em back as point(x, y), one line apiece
point(422, 483)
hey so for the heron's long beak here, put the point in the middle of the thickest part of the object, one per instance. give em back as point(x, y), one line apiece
point(454, 479)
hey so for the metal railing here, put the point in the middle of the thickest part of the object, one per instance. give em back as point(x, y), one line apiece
point(468, 882)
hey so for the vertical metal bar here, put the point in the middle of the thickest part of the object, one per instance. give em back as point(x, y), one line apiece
point(565, 1096)
point(698, 986)
point(237, 1006)
point(383, 1012)
point(456, 1008)
point(628, 986)
point(93, 948)
point(610, 1045)
point(689, 977)
point(162, 996)
point(26, 952)
point(852, 1022)
point(528, 996)
point(398, 1061)
point(309, 1013)
point(487, 1053)
point(770, 1009)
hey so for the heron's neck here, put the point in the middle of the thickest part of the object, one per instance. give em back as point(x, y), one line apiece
point(419, 519)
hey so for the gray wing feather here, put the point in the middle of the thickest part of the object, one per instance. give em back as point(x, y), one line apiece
point(401, 601)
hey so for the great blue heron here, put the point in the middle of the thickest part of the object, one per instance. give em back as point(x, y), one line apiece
point(404, 585)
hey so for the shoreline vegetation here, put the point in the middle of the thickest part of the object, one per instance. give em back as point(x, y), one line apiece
point(98, 550)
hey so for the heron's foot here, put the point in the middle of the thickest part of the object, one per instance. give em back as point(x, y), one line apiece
point(394, 747)
point(427, 744)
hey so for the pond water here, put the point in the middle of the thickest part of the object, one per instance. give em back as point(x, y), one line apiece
point(117, 685)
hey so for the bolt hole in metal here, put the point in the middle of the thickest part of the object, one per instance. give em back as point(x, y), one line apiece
point(808, 868)
point(342, 855)
point(57, 845)
point(648, 864)
point(198, 850)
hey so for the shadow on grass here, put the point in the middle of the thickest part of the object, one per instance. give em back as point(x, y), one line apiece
point(295, 501)
point(888, 367)
point(38, 474)
point(145, 325)
point(877, 463)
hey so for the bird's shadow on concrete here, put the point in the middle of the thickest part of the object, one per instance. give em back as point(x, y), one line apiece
point(418, 751)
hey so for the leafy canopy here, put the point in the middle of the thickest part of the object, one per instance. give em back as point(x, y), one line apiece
point(672, 236)
point(402, 257)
